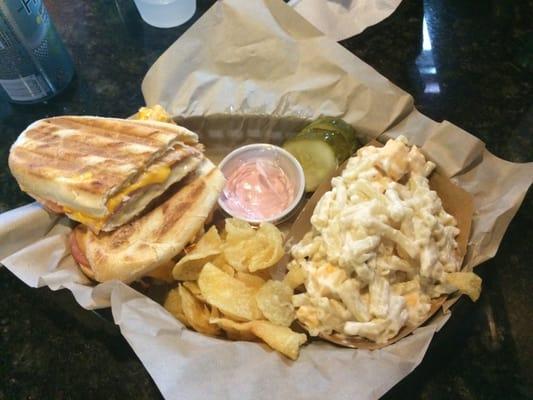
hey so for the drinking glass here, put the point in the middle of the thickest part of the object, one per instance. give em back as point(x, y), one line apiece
point(166, 13)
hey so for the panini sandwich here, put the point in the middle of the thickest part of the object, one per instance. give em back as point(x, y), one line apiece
point(101, 172)
point(135, 249)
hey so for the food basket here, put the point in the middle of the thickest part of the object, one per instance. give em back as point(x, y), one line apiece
point(251, 72)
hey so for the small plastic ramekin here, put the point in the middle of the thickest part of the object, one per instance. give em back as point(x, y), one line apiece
point(283, 159)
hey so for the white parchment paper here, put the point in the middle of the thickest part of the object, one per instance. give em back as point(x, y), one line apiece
point(251, 71)
point(341, 19)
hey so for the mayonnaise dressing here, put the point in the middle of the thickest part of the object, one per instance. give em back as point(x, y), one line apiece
point(380, 248)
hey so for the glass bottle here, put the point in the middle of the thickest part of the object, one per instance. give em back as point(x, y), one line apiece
point(34, 64)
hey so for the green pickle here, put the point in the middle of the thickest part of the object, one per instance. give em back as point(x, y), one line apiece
point(321, 147)
point(333, 124)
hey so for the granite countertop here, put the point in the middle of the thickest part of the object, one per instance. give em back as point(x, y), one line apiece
point(472, 66)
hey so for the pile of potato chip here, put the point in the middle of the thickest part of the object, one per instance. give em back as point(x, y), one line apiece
point(225, 289)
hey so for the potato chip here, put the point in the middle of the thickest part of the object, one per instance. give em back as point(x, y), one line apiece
point(466, 282)
point(235, 330)
point(197, 313)
point(238, 230)
point(280, 338)
point(194, 289)
point(219, 260)
point(215, 313)
point(208, 247)
point(173, 305)
point(249, 250)
point(231, 296)
point(228, 269)
point(237, 234)
point(259, 254)
point(210, 242)
point(236, 256)
point(253, 281)
point(274, 300)
point(221, 263)
point(295, 275)
point(272, 252)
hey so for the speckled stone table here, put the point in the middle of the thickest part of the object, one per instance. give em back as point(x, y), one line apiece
point(468, 62)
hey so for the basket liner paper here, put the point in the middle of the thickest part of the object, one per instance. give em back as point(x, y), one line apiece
point(256, 71)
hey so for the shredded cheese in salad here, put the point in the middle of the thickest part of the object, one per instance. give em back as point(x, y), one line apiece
point(381, 247)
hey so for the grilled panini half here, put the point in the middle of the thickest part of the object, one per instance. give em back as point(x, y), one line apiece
point(152, 240)
point(101, 172)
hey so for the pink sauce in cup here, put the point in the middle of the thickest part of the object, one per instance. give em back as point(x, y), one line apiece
point(264, 183)
point(258, 189)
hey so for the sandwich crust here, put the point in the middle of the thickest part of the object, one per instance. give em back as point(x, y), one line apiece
point(134, 249)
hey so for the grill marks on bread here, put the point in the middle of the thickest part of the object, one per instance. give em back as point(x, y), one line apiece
point(94, 155)
point(140, 246)
point(174, 212)
point(171, 211)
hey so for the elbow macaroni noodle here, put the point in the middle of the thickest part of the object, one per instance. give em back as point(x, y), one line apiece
point(381, 247)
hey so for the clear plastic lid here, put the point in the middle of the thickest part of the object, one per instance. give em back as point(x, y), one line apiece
point(264, 183)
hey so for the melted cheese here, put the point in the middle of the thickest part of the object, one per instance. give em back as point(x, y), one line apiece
point(94, 222)
point(150, 177)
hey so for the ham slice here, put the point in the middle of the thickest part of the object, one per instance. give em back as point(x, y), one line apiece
point(77, 252)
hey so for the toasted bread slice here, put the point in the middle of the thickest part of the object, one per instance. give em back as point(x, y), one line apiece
point(133, 250)
point(79, 165)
